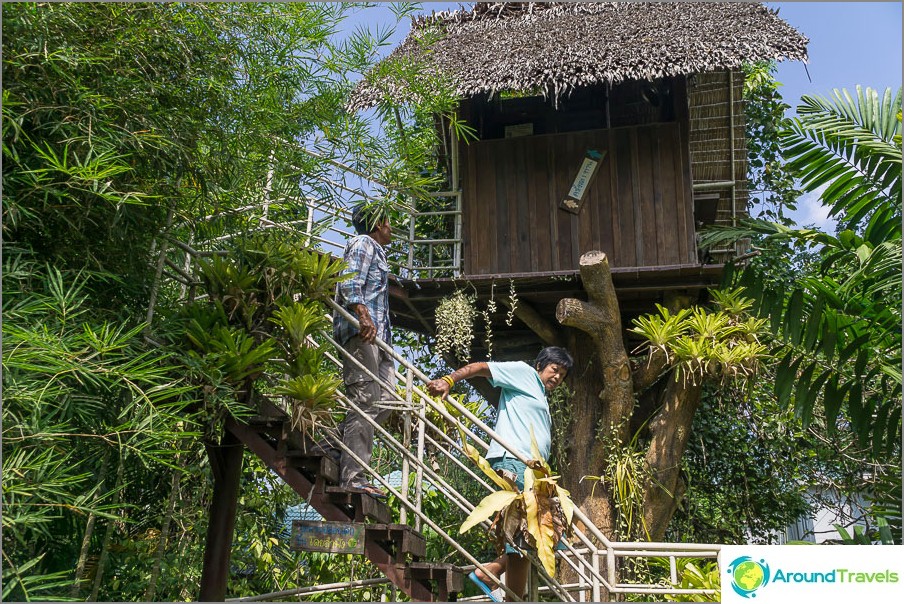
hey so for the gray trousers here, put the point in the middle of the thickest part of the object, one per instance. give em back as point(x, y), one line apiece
point(356, 432)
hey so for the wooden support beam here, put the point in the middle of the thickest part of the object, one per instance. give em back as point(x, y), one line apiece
point(226, 462)
point(548, 332)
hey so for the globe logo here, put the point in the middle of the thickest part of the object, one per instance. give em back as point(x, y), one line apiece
point(748, 575)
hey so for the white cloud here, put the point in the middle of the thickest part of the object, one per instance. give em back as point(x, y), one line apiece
point(811, 213)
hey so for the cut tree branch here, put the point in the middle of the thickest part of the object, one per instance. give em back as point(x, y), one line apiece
point(600, 318)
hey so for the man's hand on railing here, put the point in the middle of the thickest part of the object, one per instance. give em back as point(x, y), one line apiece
point(367, 331)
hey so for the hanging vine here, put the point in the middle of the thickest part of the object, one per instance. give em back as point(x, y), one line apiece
point(488, 321)
point(512, 304)
point(455, 316)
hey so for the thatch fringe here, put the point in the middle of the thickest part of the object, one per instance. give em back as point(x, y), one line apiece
point(556, 47)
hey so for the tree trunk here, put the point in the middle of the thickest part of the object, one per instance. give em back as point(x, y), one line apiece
point(583, 450)
point(669, 430)
point(108, 535)
point(605, 385)
point(151, 591)
point(89, 531)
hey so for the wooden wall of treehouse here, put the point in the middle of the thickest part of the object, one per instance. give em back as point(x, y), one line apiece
point(638, 208)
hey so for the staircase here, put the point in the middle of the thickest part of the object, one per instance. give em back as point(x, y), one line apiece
point(396, 549)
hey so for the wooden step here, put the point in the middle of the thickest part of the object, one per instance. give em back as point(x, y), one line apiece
point(314, 465)
point(399, 540)
point(358, 506)
point(271, 425)
point(447, 579)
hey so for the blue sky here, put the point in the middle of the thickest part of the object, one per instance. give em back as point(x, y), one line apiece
point(850, 43)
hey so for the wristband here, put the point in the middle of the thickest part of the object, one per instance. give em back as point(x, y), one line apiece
point(448, 379)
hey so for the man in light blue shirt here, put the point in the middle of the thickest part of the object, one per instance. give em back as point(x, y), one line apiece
point(522, 408)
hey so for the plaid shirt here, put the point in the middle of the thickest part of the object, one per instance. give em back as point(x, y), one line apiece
point(369, 285)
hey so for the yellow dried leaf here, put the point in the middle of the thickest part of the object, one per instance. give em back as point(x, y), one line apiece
point(490, 504)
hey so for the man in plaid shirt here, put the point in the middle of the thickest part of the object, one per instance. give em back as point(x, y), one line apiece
point(366, 295)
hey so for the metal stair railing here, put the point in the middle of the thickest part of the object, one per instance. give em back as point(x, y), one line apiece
point(438, 481)
point(588, 559)
point(596, 577)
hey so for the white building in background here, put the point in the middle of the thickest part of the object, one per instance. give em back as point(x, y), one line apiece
point(819, 526)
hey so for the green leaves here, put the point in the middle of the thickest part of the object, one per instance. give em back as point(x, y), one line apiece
point(836, 310)
point(251, 325)
point(722, 343)
point(848, 145)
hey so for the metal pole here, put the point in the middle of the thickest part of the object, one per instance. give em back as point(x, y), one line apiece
point(456, 269)
point(406, 442)
point(595, 562)
point(419, 471)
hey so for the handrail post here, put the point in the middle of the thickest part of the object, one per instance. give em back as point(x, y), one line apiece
point(456, 269)
point(596, 595)
point(421, 451)
point(406, 442)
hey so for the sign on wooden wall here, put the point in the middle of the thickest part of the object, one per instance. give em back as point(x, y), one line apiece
point(575, 197)
point(329, 537)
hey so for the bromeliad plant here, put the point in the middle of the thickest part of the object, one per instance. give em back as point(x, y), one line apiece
point(258, 328)
point(538, 516)
point(722, 343)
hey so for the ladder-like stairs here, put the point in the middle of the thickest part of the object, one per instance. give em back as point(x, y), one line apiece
point(396, 549)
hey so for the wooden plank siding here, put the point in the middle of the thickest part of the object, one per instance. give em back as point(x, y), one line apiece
point(638, 209)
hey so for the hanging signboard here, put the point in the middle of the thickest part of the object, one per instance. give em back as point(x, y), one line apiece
point(575, 197)
point(328, 537)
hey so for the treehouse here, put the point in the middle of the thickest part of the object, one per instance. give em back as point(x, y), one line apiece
point(616, 127)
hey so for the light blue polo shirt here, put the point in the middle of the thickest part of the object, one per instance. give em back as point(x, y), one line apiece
point(522, 405)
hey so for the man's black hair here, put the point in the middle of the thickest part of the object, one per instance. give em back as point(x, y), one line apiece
point(366, 217)
point(554, 354)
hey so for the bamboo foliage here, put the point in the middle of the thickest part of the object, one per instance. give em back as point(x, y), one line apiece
point(115, 117)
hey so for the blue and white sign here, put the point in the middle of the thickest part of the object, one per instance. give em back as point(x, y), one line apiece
point(809, 573)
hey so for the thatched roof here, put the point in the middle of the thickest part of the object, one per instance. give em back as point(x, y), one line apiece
point(557, 46)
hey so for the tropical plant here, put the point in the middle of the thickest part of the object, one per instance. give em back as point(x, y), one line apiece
point(249, 324)
point(836, 321)
point(695, 574)
point(627, 473)
point(455, 315)
point(839, 325)
point(722, 343)
point(539, 515)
